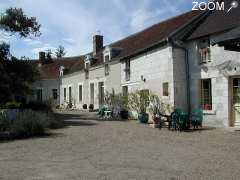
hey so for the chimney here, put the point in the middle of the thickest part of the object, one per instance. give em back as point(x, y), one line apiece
point(42, 57)
point(97, 44)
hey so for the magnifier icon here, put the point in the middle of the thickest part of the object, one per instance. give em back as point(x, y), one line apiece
point(234, 4)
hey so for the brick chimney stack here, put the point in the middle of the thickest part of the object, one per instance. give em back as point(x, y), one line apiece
point(42, 57)
point(97, 44)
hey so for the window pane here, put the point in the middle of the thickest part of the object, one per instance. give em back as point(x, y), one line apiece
point(165, 89)
point(80, 93)
point(65, 94)
point(55, 93)
point(206, 94)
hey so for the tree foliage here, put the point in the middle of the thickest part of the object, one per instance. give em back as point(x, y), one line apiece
point(16, 75)
point(60, 52)
point(15, 21)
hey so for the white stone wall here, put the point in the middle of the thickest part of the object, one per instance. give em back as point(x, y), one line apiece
point(156, 67)
point(221, 93)
point(73, 80)
point(96, 75)
point(180, 79)
point(47, 86)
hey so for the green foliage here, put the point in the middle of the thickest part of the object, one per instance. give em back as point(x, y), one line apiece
point(4, 51)
point(60, 52)
point(15, 21)
point(119, 101)
point(139, 101)
point(4, 121)
point(13, 105)
point(28, 124)
point(157, 106)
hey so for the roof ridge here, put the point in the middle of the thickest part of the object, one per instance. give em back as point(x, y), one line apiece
point(153, 25)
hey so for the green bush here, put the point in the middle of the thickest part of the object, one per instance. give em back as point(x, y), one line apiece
point(13, 105)
point(28, 124)
point(4, 121)
point(38, 106)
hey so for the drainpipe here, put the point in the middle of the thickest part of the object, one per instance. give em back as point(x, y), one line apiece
point(174, 45)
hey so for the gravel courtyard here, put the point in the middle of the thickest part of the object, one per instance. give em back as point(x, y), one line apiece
point(122, 150)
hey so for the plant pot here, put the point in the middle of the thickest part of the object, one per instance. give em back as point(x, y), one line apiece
point(156, 120)
point(143, 118)
point(124, 114)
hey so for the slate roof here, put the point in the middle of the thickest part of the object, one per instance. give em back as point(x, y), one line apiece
point(51, 70)
point(129, 45)
point(218, 21)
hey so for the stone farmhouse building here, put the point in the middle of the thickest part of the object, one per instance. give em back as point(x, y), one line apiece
point(191, 61)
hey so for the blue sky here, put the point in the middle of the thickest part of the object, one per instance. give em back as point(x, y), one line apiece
point(72, 23)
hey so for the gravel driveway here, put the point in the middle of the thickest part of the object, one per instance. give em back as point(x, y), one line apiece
point(122, 150)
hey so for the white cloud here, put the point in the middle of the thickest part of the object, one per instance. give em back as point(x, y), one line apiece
point(73, 23)
point(32, 42)
point(69, 40)
point(43, 48)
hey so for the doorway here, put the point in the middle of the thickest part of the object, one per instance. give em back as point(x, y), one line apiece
point(236, 102)
point(101, 93)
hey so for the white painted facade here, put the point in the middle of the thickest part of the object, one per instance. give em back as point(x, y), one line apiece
point(221, 73)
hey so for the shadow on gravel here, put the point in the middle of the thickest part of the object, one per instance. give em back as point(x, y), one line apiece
point(200, 129)
point(79, 123)
point(5, 138)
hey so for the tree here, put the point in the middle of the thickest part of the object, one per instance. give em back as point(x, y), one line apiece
point(16, 76)
point(49, 54)
point(15, 21)
point(60, 52)
point(4, 51)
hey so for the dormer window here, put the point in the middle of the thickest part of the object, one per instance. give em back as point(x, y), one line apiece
point(204, 51)
point(61, 71)
point(107, 58)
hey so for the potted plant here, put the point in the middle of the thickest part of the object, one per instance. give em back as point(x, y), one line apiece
point(155, 109)
point(91, 107)
point(118, 104)
point(139, 101)
point(84, 106)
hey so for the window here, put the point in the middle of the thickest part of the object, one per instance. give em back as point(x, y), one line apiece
point(55, 94)
point(39, 95)
point(165, 89)
point(206, 94)
point(204, 51)
point(92, 93)
point(106, 58)
point(70, 94)
point(205, 55)
point(64, 94)
point(127, 70)
point(80, 93)
point(125, 90)
point(106, 69)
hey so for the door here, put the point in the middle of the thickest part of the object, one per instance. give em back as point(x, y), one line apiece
point(92, 93)
point(101, 93)
point(236, 101)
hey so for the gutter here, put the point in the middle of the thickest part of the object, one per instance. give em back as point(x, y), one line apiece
point(174, 45)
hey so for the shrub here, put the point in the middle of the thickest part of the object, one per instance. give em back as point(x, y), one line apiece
point(4, 121)
point(13, 105)
point(91, 107)
point(85, 106)
point(38, 106)
point(29, 123)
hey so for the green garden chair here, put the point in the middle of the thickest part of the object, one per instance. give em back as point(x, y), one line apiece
point(197, 118)
point(182, 123)
point(174, 120)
